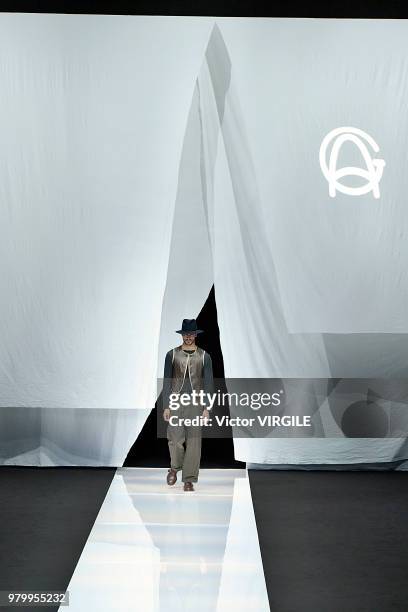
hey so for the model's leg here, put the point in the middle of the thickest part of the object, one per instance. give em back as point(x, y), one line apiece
point(176, 438)
point(191, 465)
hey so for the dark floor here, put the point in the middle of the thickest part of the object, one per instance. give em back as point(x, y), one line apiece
point(333, 541)
point(330, 541)
point(46, 515)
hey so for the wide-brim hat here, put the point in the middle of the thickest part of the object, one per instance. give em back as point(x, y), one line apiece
point(189, 326)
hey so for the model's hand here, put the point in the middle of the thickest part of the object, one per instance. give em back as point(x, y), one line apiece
point(206, 415)
point(166, 414)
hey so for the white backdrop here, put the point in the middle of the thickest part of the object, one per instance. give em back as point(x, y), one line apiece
point(125, 139)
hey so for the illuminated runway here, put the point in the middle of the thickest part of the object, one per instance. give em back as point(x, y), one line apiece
point(158, 548)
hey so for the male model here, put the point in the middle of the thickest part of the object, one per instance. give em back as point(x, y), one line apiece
point(186, 368)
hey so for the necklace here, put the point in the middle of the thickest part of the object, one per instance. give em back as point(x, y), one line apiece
point(190, 352)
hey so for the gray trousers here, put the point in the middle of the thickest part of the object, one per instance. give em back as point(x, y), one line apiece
point(185, 443)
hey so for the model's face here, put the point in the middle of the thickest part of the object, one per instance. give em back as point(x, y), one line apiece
point(189, 338)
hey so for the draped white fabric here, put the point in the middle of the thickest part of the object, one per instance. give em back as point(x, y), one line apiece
point(307, 285)
point(121, 134)
point(93, 113)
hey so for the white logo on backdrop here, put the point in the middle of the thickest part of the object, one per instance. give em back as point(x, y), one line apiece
point(372, 173)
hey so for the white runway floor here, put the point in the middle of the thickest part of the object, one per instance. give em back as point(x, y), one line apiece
point(158, 548)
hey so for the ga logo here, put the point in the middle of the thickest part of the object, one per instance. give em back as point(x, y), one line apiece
point(372, 172)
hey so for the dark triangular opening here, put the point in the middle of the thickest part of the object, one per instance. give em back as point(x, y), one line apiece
point(151, 451)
